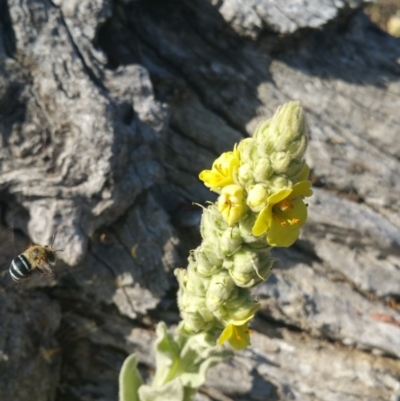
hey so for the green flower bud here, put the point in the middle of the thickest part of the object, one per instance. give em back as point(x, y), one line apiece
point(196, 316)
point(257, 197)
point(245, 228)
point(303, 173)
point(295, 168)
point(278, 182)
point(242, 297)
point(212, 223)
point(230, 241)
point(221, 289)
point(280, 162)
point(247, 150)
point(207, 260)
point(265, 148)
point(287, 130)
point(196, 283)
point(245, 174)
point(242, 313)
point(261, 132)
point(194, 312)
point(263, 169)
point(297, 148)
point(248, 267)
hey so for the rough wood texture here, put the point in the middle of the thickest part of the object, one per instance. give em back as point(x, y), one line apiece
point(108, 111)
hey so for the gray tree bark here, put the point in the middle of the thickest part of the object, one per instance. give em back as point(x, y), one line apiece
point(109, 110)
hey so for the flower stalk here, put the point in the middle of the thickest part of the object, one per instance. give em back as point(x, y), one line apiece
point(261, 185)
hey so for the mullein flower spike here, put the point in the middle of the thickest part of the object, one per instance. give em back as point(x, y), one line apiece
point(261, 185)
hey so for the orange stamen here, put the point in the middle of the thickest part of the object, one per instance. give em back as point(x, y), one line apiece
point(237, 334)
point(285, 205)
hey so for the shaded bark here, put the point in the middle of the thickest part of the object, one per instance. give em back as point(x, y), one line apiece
point(108, 111)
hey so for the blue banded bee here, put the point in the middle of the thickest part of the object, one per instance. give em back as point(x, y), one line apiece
point(35, 257)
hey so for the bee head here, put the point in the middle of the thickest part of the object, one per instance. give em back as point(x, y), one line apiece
point(50, 254)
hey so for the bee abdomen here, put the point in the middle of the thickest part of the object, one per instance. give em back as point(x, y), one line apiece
point(20, 268)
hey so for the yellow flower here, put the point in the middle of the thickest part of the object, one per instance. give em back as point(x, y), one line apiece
point(237, 333)
point(284, 214)
point(223, 170)
point(232, 203)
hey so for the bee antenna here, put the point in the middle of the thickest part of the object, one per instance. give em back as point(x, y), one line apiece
point(58, 250)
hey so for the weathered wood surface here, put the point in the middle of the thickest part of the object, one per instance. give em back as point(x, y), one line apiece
point(108, 111)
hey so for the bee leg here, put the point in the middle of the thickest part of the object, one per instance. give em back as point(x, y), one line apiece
point(46, 269)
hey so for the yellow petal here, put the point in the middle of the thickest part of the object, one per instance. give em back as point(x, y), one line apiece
point(238, 336)
point(299, 211)
point(282, 236)
point(279, 196)
point(263, 221)
point(302, 188)
point(226, 334)
point(223, 170)
point(210, 177)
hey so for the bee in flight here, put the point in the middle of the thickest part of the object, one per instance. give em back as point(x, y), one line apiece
point(35, 257)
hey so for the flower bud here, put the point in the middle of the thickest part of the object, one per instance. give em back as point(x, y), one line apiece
point(242, 299)
point(298, 147)
point(257, 197)
point(245, 228)
point(247, 149)
point(287, 130)
point(278, 183)
point(181, 275)
point(261, 132)
point(280, 162)
point(221, 288)
point(265, 148)
point(302, 175)
point(230, 241)
point(242, 313)
point(295, 169)
point(195, 314)
point(196, 283)
point(245, 174)
point(231, 203)
point(212, 223)
point(248, 267)
point(206, 259)
point(263, 169)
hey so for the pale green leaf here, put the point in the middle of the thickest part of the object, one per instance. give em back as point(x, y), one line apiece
point(129, 380)
point(172, 391)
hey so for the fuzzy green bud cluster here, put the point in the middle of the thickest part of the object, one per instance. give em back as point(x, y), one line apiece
point(216, 283)
point(261, 186)
point(273, 158)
